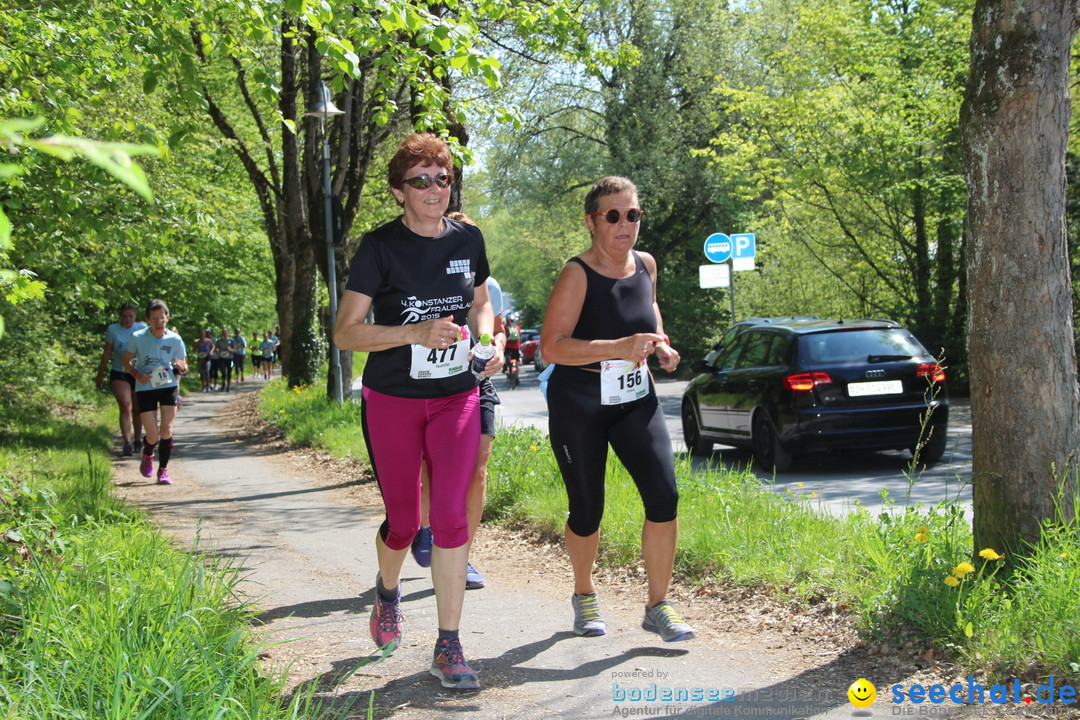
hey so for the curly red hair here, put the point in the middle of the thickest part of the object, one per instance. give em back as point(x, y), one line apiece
point(419, 149)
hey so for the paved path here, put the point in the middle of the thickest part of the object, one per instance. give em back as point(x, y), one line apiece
point(307, 554)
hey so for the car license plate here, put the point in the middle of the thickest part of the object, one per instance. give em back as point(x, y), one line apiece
point(880, 387)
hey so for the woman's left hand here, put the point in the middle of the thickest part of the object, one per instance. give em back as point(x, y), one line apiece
point(494, 364)
point(668, 356)
point(180, 366)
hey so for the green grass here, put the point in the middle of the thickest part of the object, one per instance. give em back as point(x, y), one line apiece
point(100, 617)
point(309, 418)
point(890, 568)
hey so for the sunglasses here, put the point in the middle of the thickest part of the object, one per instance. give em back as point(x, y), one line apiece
point(612, 216)
point(423, 182)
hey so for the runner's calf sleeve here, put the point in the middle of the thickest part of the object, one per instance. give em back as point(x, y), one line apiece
point(166, 451)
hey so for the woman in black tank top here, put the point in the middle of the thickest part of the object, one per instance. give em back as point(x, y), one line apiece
point(601, 325)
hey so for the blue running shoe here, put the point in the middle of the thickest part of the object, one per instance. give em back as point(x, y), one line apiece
point(421, 547)
point(473, 579)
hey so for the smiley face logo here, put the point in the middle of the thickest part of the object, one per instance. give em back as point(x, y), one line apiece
point(862, 693)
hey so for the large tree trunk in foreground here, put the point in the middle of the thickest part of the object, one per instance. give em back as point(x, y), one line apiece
point(1024, 402)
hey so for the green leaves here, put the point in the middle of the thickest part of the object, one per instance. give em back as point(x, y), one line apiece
point(113, 158)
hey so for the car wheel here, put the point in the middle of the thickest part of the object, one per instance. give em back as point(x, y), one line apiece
point(695, 444)
point(933, 449)
point(767, 451)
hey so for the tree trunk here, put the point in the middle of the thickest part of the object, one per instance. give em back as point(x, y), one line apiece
point(1024, 401)
point(293, 212)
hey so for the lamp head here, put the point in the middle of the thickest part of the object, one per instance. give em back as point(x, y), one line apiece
point(324, 107)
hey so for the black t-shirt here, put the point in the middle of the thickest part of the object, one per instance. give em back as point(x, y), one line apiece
point(615, 307)
point(412, 278)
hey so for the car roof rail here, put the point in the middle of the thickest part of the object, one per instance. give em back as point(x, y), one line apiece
point(843, 321)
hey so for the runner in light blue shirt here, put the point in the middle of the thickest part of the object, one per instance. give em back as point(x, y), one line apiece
point(121, 383)
point(156, 357)
point(269, 346)
point(241, 353)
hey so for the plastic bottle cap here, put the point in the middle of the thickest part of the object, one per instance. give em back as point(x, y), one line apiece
point(485, 339)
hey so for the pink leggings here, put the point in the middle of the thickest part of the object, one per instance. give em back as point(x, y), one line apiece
point(400, 434)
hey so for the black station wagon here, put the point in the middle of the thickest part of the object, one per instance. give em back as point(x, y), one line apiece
point(785, 387)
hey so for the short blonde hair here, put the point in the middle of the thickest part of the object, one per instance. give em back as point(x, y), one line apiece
point(607, 186)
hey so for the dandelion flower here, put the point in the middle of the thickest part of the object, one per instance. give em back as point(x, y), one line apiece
point(964, 568)
point(813, 494)
point(788, 490)
point(922, 537)
point(951, 581)
point(923, 529)
point(799, 484)
point(1064, 554)
point(533, 448)
point(989, 554)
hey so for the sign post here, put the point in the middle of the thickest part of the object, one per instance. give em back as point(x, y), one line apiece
point(736, 252)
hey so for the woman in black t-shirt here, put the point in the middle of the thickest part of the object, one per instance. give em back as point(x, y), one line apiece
point(425, 278)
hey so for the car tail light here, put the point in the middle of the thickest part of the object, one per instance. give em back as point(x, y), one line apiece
point(805, 382)
point(932, 372)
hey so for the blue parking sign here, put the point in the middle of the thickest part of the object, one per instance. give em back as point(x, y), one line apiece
point(718, 247)
point(743, 245)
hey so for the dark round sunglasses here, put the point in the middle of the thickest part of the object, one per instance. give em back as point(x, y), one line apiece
point(423, 182)
point(612, 216)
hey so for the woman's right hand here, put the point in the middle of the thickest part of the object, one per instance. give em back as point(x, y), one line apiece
point(638, 347)
point(439, 333)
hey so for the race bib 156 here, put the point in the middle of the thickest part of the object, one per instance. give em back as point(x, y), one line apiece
point(622, 381)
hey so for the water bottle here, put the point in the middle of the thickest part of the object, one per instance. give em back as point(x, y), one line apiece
point(482, 352)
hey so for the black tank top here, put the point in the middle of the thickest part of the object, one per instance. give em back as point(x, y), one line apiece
point(615, 307)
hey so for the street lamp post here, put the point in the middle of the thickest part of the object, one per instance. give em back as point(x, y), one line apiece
point(324, 108)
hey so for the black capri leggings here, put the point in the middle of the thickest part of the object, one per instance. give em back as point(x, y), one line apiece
point(581, 429)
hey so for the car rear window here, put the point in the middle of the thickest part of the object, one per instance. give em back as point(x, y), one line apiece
point(865, 345)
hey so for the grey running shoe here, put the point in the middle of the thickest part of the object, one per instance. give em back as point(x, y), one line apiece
point(136, 446)
point(587, 619)
point(665, 622)
point(450, 667)
point(126, 452)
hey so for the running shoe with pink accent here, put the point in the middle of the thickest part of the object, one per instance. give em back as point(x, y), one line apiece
point(163, 477)
point(146, 467)
point(386, 619)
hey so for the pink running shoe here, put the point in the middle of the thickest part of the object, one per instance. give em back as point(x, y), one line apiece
point(386, 622)
point(163, 477)
point(146, 467)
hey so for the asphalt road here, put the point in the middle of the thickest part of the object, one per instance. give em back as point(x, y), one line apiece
point(840, 482)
